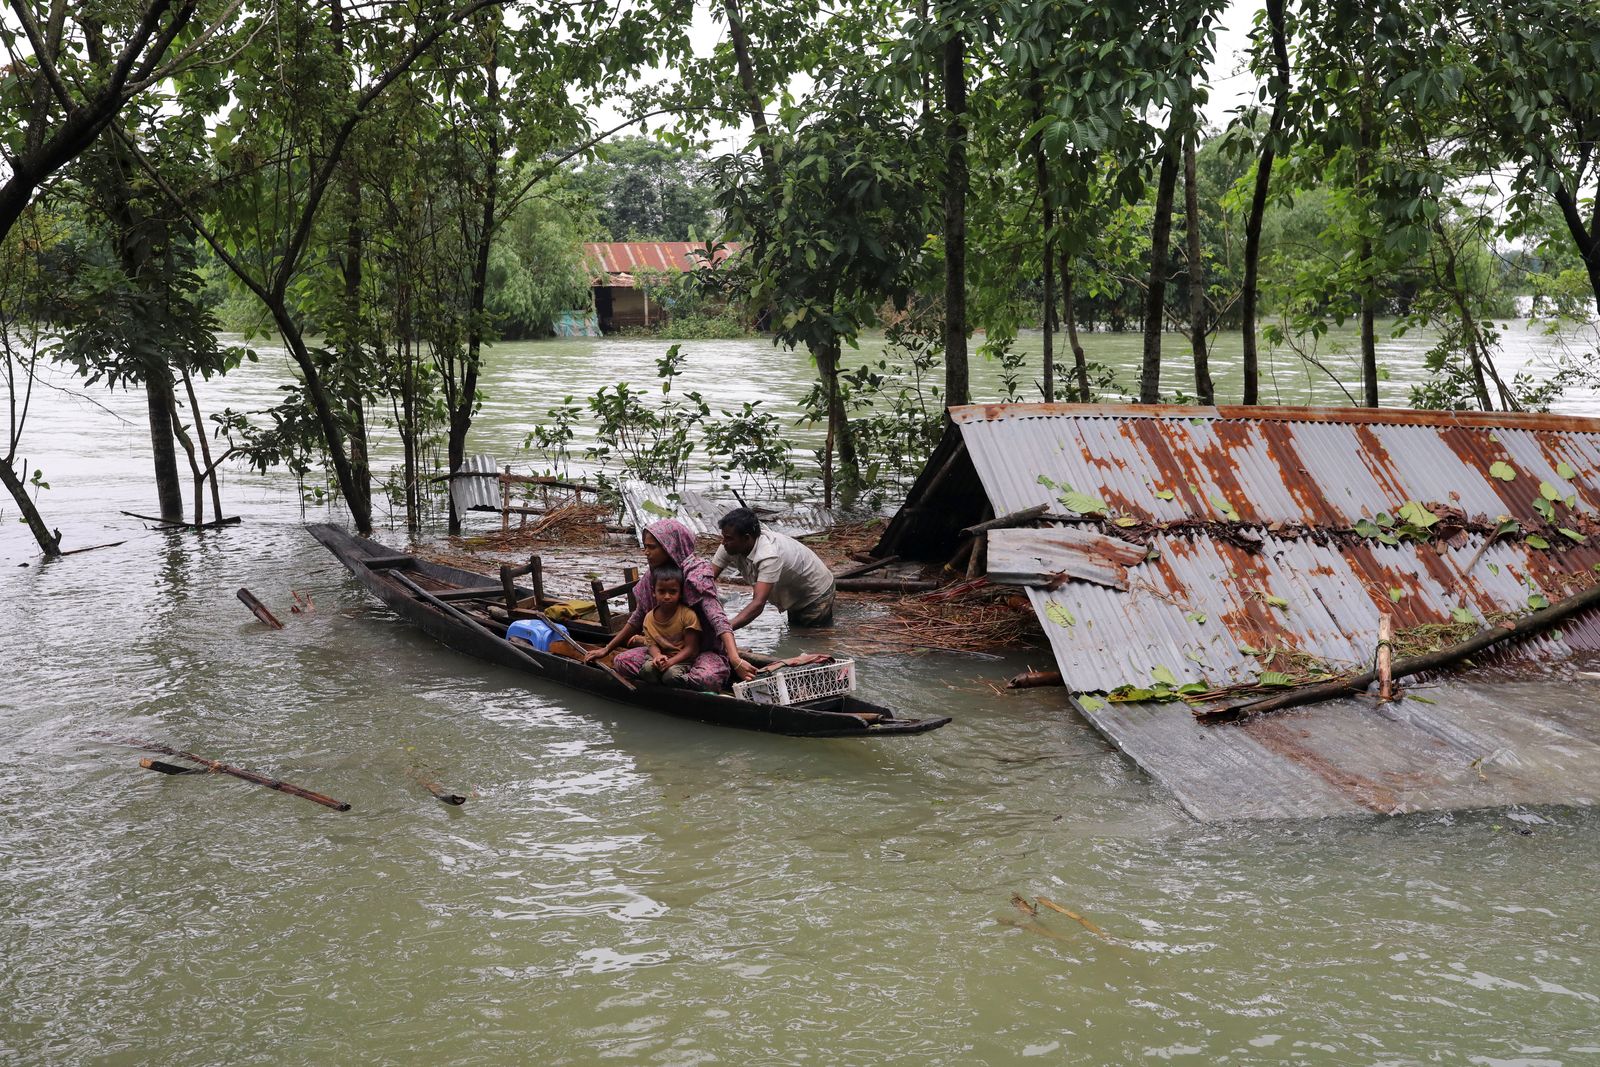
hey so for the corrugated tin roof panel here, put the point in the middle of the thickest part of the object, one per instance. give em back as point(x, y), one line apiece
point(1329, 467)
point(1490, 741)
point(1306, 481)
point(1334, 595)
point(477, 486)
point(615, 262)
point(1255, 566)
point(646, 503)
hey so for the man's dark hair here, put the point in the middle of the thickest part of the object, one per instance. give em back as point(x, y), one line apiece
point(665, 574)
point(741, 521)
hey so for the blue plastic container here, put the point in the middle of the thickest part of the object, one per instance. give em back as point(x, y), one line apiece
point(537, 633)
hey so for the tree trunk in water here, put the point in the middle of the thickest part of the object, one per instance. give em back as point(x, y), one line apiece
point(849, 481)
point(827, 463)
point(1155, 297)
point(408, 441)
point(161, 404)
point(133, 255)
point(356, 496)
point(1585, 238)
point(956, 388)
point(49, 542)
point(195, 472)
point(1369, 341)
point(1476, 353)
point(1197, 278)
point(205, 446)
point(1069, 316)
point(360, 467)
point(350, 348)
point(1042, 182)
point(1369, 336)
point(1049, 355)
point(461, 413)
point(351, 268)
point(1258, 201)
point(1247, 290)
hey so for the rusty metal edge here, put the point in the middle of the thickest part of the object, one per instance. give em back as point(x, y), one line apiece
point(1494, 420)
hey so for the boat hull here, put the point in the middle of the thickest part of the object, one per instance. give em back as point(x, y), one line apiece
point(375, 567)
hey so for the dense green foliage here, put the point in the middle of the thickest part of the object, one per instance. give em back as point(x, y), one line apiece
point(643, 189)
point(390, 187)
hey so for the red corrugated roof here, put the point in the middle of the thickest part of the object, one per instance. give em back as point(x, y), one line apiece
point(616, 261)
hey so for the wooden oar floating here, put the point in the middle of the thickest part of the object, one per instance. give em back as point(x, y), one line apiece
point(218, 767)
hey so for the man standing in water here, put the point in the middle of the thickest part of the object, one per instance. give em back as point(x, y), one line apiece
point(780, 569)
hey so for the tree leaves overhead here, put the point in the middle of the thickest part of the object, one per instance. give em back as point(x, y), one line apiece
point(407, 181)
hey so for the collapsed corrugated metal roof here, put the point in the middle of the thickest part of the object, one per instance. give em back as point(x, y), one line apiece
point(1496, 739)
point(1270, 535)
point(645, 504)
point(613, 263)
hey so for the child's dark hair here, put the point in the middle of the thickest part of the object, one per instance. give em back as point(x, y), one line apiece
point(665, 574)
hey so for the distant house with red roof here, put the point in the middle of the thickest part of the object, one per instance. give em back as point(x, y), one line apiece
point(619, 269)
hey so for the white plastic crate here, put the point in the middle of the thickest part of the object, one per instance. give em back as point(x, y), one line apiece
point(795, 685)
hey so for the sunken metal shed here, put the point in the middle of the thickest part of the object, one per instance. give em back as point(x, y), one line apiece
point(1248, 516)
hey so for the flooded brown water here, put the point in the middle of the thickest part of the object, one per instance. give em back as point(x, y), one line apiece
point(628, 888)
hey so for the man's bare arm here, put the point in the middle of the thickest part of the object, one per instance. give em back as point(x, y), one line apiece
point(758, 603)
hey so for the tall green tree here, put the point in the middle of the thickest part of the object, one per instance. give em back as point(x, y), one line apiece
point(957, 31)
point(309, 87)
point(70, 71)
point(647, 189)
point(1188, 32)
point(835, 227)
point(1272, 34)
point(1531, 97)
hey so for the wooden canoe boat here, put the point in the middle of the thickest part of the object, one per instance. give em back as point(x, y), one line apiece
point(429, 595)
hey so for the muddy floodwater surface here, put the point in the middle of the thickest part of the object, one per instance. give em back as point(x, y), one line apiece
point(625, 887)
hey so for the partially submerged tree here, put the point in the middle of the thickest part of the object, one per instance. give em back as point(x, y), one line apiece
point(1273, 44)
point(1178, 72)
point(834, 228)
point(24, 343)
point(70, 71)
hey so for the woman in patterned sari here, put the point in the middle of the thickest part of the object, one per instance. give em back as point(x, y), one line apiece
point(670, 543)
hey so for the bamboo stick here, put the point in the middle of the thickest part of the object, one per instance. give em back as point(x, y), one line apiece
point(583, 648)
point(866, 567)
point(1385, 658)
point(231, 520)
point(163, 767)
point(438, 791)
point(1015, 518)
point(1035, 679)
point(884, 585)
point(505, 501)
point(1075, 917)
point(1527, 626)
point(218, 767)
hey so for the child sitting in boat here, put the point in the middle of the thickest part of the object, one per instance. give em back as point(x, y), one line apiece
point(671, 633)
